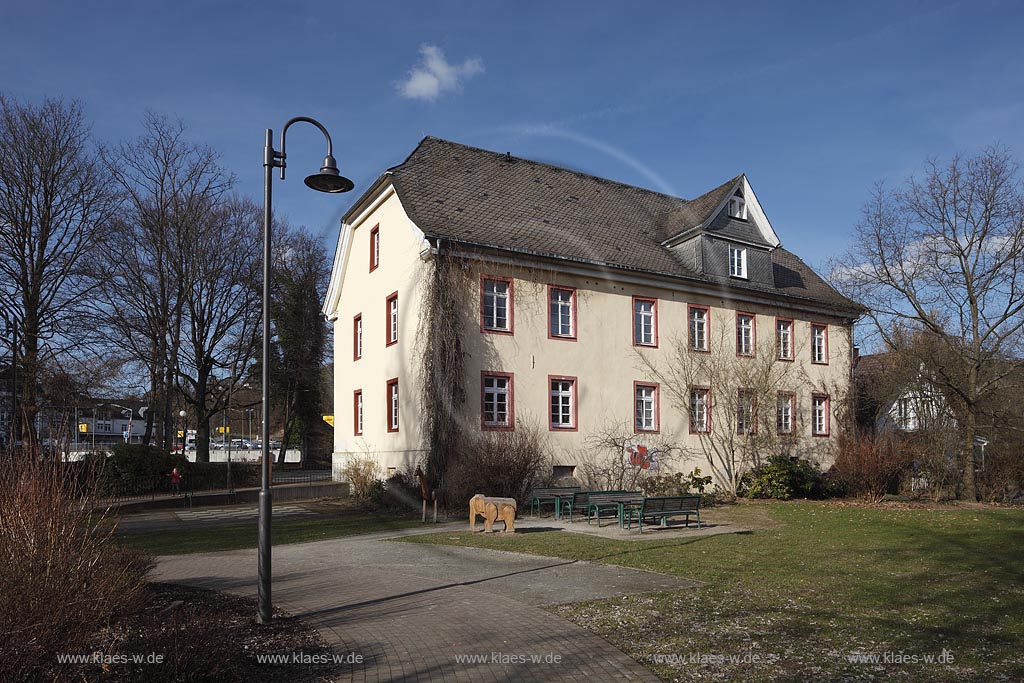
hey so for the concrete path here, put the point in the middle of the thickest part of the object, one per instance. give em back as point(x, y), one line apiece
point(436, 613)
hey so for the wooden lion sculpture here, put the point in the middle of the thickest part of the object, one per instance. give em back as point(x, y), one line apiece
point(492, 509)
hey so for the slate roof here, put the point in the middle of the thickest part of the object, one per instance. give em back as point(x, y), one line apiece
point(493, 200)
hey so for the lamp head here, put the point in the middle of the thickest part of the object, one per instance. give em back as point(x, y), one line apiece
point(329, 179)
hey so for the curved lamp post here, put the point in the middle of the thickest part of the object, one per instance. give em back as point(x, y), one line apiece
point(327, 180)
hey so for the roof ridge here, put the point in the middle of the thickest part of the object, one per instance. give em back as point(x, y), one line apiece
point(583, 174)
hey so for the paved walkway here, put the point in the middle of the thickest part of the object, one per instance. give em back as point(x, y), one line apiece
point(436, 613)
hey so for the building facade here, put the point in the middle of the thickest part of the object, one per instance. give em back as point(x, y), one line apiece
point(580, 303)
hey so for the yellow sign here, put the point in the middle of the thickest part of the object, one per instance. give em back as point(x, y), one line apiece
point(83, 427)
point(181, 434)
point(224, 430)
point(329, 419)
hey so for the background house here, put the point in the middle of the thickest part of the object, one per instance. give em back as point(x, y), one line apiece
point(564, 280)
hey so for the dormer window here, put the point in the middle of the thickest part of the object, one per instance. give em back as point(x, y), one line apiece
point(737, 261)
point(738, 206)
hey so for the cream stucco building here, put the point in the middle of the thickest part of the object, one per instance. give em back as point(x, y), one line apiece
point(572, 288)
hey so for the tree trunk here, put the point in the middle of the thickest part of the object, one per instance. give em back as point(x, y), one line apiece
point(968, 488)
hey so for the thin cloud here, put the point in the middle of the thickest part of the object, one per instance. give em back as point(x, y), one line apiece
point(434, 75)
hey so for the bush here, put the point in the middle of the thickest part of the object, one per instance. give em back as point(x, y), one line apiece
point(783, 478)
point(363, 475)
point(679, 484)
point(402, 490)
point(61, 576)
point(870, 465)
point(504, 464)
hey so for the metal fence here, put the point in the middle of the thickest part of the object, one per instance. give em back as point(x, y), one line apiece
point(157, 486)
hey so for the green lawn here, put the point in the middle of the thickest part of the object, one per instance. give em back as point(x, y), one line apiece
point(210, 539)
point(812, 585)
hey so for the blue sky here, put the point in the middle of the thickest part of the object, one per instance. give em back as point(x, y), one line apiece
point(815, 101)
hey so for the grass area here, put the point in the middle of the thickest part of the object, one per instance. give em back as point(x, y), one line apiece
point(811, 587)
point(236, 537)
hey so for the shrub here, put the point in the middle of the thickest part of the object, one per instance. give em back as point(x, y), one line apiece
point(61, 576)
point(402, 489)
point(870, 465)
point(678, 484)
point(363, 475)
point(505, 464)
point(783, 478)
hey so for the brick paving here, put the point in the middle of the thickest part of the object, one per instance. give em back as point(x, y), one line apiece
point(411, 611)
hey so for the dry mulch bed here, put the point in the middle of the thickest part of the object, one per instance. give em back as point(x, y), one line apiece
point(201, 635)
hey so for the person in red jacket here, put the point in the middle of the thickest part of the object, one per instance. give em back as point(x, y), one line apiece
point(175, 481)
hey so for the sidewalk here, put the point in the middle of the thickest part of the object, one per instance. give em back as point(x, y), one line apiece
point(437, 613)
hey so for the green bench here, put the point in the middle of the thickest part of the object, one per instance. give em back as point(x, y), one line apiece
point(580, 503)
point(659, 509)
point(551, 495)
point(610, 501)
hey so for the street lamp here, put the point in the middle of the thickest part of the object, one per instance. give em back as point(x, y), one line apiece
point(184, 433)
point(329, 179)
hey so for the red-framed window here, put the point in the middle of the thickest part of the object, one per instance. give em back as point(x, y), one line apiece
point(497, 401)
point(357, 412)
point(562, 313)
point(820, 415)
point(819, 344)
point(645, 321)
point(497, 304)
point(699, 318)
point(646, 407)
point(374, 248)
point(562, 404)
point(391, 319)
point(746, 334)
point(392, 407)
point(746, 412)
point(357, 337)
point(784, 338)
point(700, 410)
point(785, 413)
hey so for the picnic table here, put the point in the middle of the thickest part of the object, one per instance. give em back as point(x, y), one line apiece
point(550, 495)
point(606, 501)
point(660, 508)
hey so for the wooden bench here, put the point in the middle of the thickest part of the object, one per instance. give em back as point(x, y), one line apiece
point(551, 495)
point(609, 501)
point(660, 508)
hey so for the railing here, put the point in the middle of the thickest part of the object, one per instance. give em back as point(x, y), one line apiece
point(158, 486)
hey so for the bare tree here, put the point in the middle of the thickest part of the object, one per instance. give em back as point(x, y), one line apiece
point(221, 310)
point(54, 205)
point(169, 189)
point(731, 402)
point(945, 254)
point(301, 274)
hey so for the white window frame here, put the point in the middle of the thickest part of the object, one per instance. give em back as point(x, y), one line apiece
point(699, 328)
point(393, 406)
point(746, 412)
point(563, 403)
point(645, 408)
point(737, 261)
point(819, 415)
point(393, 320)
point(784, 339)
point(700, 410)
point(819, 344)
point(561, 311)
point(496, 296)
point(738, 207)
point(359, 337)
point(496, 390)
point(645, 321)
point(784, 413)
point(359, 414)
point(745, 342)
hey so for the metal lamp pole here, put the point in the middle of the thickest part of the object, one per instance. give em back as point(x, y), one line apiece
point(327, 180)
